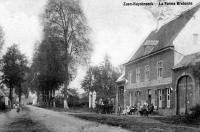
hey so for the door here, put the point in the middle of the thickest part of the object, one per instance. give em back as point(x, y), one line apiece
point(149, 96)
point(121, 96)
point(185, 94)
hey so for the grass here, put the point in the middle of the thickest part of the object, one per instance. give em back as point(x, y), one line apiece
point(133, 123)
point(179, 120)
point(136, 123)
point(71, 109)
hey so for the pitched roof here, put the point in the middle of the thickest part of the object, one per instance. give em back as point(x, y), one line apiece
point(121, 79)
point(187, 60)
point(167, 33)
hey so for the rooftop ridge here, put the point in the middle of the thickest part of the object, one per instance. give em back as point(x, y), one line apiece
point(178, 15)
point(167, 32)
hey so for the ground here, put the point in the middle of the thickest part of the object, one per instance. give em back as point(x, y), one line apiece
point(137, 123)
point(34, 119)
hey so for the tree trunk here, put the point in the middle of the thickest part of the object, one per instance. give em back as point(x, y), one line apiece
point(66, 104)
point(66, 81)
point(49, 101)
point(10, 96)
point(38, 94)
point(42, 96)
point(45, 96)
point(20, 95)
point(54, 103)
point(66, 96)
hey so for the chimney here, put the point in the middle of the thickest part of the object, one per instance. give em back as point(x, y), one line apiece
point(195, 38)
point(159, 19)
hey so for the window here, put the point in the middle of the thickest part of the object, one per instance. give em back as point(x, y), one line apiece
point(160, 98)
point(149, 96)
point(168, 97)
point(147, 73)
point(160, 69)
point(137, 74)
point(129, 77)
point(137, 93)
point(131, 96)
point(149, 45)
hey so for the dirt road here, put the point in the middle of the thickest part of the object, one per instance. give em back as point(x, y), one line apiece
point(34, 119)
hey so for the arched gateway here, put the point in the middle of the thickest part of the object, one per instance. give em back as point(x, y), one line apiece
point(185, 94)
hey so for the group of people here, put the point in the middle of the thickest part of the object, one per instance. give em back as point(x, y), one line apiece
point(144, 109)
point(105, 106)
point(18, 107)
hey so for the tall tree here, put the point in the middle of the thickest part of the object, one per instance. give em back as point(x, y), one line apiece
point(1, 38)
point(65, 21)
point(47, 70)
point(14, 70)
point(101, 79)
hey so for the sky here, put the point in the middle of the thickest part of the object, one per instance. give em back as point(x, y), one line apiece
point(115, 30)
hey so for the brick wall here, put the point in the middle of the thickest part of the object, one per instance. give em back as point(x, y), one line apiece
point(177, 74)
point(143, 97)
point(168, 62)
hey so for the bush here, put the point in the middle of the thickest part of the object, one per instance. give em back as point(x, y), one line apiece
point(196, 111)
point(2, 106)
point(194, 115)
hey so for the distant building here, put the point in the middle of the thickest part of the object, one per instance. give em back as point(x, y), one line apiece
point(32, 98)
point(4, 98)
point(159, 72)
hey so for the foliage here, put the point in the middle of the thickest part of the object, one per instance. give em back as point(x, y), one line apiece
point(65, 22)
point(47, 73)
point(134, 124)
point(194, 115)
point(48, 65)
point(101, 79)
point(14, 69)
point(73, 100)
point(1, 38)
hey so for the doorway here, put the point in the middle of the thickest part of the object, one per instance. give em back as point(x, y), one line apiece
point(184, 95)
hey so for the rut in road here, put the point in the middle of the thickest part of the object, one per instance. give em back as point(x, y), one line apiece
point(23, 123)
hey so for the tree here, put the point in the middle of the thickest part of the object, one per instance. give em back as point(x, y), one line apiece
point(101, 79)
point(64, 21)
point(92, 74)
point(1, 38)
point(47, 70)
point(14, 70)
point(73, 99)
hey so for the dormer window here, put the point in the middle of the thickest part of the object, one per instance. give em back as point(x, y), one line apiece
point(149, 45)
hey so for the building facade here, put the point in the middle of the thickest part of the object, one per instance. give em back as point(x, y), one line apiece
point(158, 72)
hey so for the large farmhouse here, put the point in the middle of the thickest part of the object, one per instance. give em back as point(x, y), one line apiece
point(161, 72)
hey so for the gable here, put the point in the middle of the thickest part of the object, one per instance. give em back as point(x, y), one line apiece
point(166, 34)
point(188, 40)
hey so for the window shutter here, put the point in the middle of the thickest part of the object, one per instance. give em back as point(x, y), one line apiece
point(172, 99)
point(156, 98)
point(164, 98)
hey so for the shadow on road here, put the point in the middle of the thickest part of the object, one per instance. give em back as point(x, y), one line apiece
point(22, 122)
